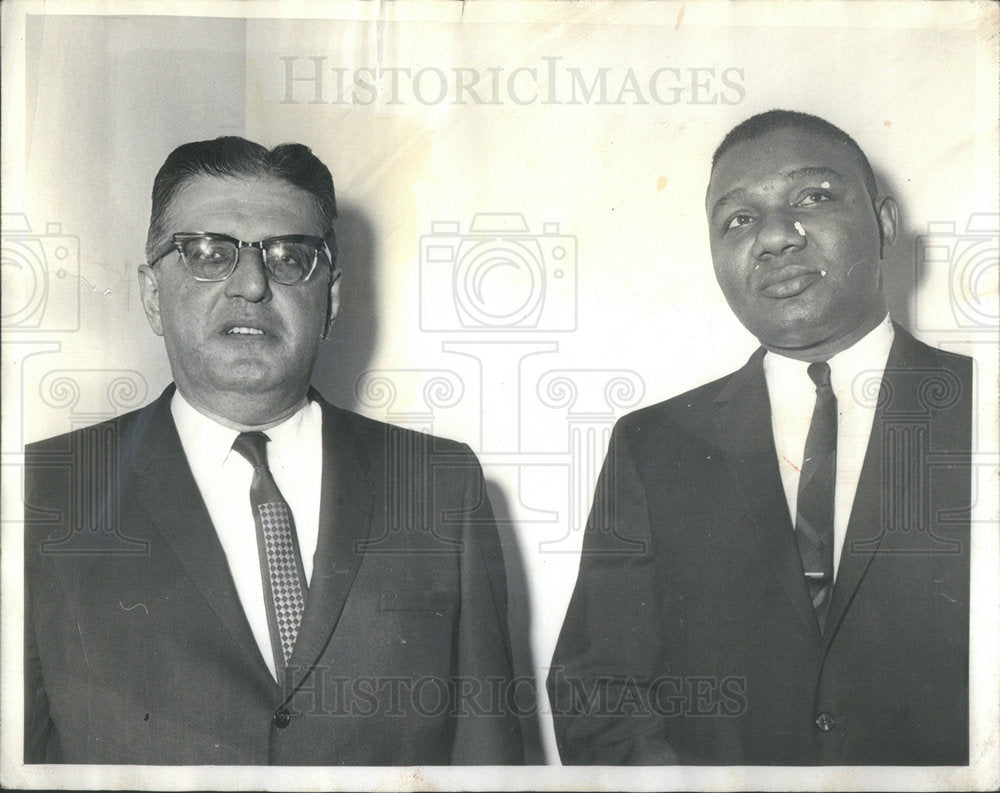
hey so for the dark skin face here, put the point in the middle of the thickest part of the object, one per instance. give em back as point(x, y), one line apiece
point(797, 244)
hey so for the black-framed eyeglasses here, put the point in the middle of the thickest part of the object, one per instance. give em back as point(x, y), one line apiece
point(209, 256)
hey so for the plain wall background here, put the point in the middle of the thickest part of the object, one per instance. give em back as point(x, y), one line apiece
point(629, 316)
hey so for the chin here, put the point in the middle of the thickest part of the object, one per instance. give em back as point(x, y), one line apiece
point(250, 380)
point(794, 323)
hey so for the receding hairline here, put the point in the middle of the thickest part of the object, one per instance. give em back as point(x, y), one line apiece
point(236, 157)
point(834, 136)
point(185, 184)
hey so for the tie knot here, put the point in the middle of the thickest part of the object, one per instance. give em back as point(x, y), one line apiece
point(253, 446)
point(819, 373)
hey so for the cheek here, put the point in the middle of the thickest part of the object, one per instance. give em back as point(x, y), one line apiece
point(730, 267)
point(309, 312)
point(174, 305)
point(847, 237)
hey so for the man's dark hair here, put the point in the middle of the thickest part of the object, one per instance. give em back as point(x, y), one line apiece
point(233, 157)
point(756, 126)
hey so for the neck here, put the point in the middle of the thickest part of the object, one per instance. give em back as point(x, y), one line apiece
point(825, 349)
point(242, 419)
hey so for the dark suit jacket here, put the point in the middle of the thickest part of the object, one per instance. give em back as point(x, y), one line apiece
point(137, 649)
point(691, 637)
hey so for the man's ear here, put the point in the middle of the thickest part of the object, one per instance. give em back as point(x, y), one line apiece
point(150, 295)
point(887, 214)
point(333, 301)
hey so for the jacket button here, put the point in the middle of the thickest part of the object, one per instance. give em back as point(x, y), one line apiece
point(281, 718)
point(825, 722)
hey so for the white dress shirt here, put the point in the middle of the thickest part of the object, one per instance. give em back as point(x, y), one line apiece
point(855, 376)
point(295, 457)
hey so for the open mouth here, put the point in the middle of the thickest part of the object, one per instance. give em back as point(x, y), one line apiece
point(243, 330)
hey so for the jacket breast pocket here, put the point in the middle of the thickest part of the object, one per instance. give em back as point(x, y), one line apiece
point(415, 632)
point(439, 604)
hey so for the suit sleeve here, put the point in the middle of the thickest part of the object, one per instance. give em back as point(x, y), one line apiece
point(38, 725)
point(602, 684)
point(487, 726)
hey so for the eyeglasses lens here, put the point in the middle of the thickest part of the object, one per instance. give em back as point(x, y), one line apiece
point(209, 258)
point(214, 259)
point(289, 262)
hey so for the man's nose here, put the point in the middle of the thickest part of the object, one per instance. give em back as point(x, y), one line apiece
point(249, 279)
point(778, 233)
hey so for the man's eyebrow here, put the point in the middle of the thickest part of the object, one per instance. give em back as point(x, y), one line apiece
point(813, 172)
point(808, 172)
point(732, 197)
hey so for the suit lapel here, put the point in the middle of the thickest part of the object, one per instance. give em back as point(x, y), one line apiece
point(864, 531)
point(165, 487)
point(743, 431)
point(345, 519)
point(867, 525)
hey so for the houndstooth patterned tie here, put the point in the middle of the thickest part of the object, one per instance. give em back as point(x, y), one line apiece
point(281, 571)
point(814, 506)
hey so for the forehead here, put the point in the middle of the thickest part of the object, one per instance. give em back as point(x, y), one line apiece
point(769, 160)
point(245, 207)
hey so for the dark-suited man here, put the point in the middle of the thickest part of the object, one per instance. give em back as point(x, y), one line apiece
point(241, 572)
point(775, 570)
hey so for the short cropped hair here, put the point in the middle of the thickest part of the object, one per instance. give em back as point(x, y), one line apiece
point(772, 120)
point(233, 156)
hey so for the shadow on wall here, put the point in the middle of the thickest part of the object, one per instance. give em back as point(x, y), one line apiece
point(519, 622)
point(354, 339)
point(899, 271)
point(342, 362)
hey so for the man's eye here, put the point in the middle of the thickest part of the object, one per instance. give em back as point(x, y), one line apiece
point(741, 219)
point(207, 253)
point(813, 197)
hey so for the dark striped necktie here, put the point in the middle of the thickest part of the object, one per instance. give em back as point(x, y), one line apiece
point(281, 571)
point(814, 507)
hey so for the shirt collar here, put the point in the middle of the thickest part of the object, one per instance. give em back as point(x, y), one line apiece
point(868, 354)
point(210, 443)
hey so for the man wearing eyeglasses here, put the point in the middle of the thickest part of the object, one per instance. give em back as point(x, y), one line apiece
point(299, 585)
